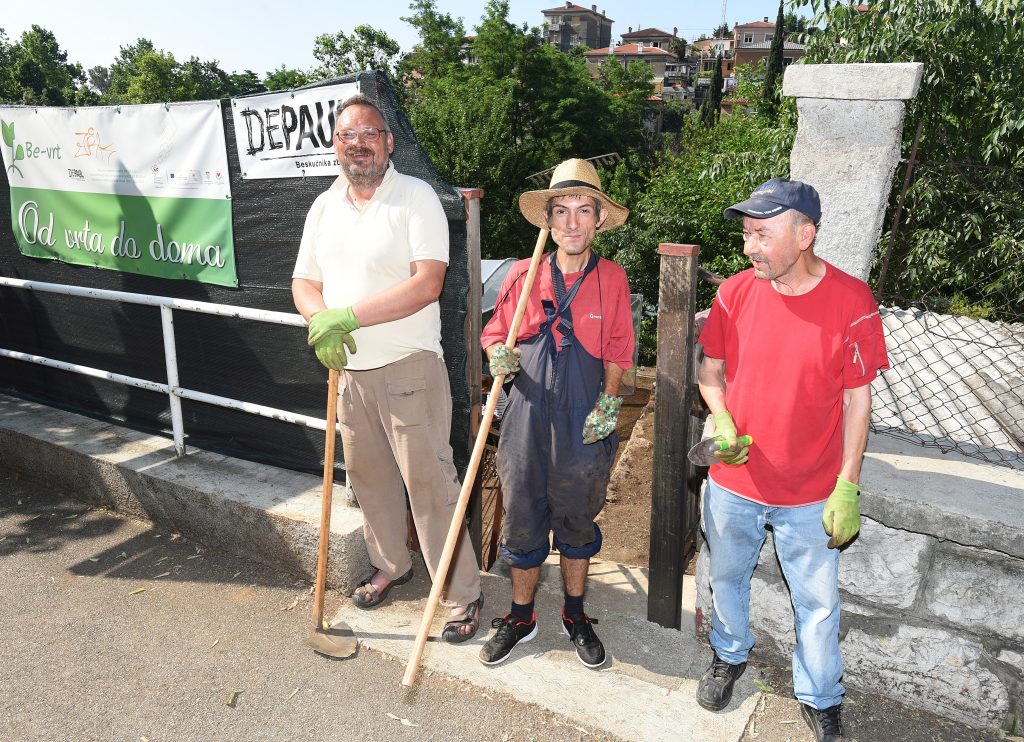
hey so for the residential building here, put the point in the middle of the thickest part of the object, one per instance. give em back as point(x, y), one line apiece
point(659, 59)
point(570, 25)
point(651, 37)
point(753, 41)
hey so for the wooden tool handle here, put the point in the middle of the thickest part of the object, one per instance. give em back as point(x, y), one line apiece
point(441, 573)
point(325, 509)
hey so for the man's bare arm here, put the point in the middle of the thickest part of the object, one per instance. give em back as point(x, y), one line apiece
point(406, 298)
point(308, 296)
point(612, 378)
point(711, 381)
point(856, 416)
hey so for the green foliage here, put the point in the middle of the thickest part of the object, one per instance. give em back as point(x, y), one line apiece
point(773, 68)
point(522, 109)
point(284, 78)
point(40, 73)
point(367, 48)
point(963, 230)
point(441, 41)
point(682, 198)
point(721, 31)
point(99, 78)
point(711, 108)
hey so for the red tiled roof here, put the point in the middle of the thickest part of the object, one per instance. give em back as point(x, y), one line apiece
point(631, 49)
point(862, 8)
point(755, 24)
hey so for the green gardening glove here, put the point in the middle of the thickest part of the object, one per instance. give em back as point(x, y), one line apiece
point(327, 321)
point(602, 419)
point(737, 449)
point(331, 349)
point(504, 360)
point(842, 513)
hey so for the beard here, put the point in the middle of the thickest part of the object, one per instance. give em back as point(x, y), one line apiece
point(364, 176)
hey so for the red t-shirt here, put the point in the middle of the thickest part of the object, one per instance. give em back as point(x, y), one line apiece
point(602, 320)
point(787, 361)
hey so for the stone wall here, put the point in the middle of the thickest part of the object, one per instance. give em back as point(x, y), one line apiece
point(928, 621)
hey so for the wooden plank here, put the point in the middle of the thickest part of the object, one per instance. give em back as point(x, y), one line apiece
point(474, 372)
point(670, 512)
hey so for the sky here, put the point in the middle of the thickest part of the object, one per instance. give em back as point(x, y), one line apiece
point(261, 36)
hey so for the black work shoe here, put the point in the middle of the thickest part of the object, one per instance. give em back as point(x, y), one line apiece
point(589, 648)
point(715, 688)
point(823, 722)
point(510, 632)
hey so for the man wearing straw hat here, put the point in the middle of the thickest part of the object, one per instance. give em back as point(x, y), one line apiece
point(369, 272)
point(557, 432)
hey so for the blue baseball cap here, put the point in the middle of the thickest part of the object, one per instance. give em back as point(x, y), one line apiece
point(778, 195)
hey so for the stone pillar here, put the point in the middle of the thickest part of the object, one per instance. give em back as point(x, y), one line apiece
point(847, 146)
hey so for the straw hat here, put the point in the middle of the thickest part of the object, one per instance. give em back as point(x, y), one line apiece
point(571, 178)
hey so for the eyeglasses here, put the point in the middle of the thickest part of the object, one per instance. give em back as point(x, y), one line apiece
point(350, 135)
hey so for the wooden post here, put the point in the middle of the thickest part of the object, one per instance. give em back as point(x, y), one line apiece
point(474, 371)
point(674, 396)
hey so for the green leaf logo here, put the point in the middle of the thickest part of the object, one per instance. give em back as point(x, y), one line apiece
point(16, 154)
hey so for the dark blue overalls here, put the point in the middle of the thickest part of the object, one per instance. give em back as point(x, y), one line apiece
point(551, 481)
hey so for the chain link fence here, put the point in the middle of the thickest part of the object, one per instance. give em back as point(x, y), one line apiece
point(951, 286)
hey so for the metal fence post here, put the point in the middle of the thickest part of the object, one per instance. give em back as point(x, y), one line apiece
point(674, 398)
point(474, 371)
point(171, 359)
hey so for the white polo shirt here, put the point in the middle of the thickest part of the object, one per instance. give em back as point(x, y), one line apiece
point(357, 254)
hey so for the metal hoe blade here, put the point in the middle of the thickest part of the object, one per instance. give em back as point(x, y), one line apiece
point(337, 641)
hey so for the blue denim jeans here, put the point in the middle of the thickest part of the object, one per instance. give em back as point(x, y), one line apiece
point(735, 531)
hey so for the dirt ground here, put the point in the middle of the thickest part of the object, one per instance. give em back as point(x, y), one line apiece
point(626, 519)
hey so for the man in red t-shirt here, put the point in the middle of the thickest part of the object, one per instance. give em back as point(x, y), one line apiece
point(791, 346)
point(557, 439)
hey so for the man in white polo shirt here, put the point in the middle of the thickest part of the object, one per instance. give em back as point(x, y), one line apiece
point(368, 276)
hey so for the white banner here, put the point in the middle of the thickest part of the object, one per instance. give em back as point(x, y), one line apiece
point(288, 135)
point(136, 189)
point(174, 149)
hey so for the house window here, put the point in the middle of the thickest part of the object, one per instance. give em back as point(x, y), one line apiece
point(748, 38)
point(786, 61)
point(769, 36)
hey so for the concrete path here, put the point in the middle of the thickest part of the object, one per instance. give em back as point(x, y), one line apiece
point(645, 692)
point(113, 630)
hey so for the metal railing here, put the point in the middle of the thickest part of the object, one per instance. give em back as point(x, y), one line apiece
point(172, 388)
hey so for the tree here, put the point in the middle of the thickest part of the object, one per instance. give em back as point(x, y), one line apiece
point(964, 233)
point(367, 48)
point(284, 78)
point(773, 67)
point(124, 69)
point(712, 105)
point(523, 108)
point(795, 24)
point(721, 31)
point(42, 72)
point(99, 78)
point(10, 91)
point(244, 83)
point(441, 41)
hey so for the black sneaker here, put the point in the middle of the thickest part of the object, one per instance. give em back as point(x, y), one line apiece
point(824, 723)
point(510, 632)
point(715, 688)
point(589, 648)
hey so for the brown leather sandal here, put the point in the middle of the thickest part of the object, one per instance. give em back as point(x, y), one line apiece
point(366, 596)
point(451, 634)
